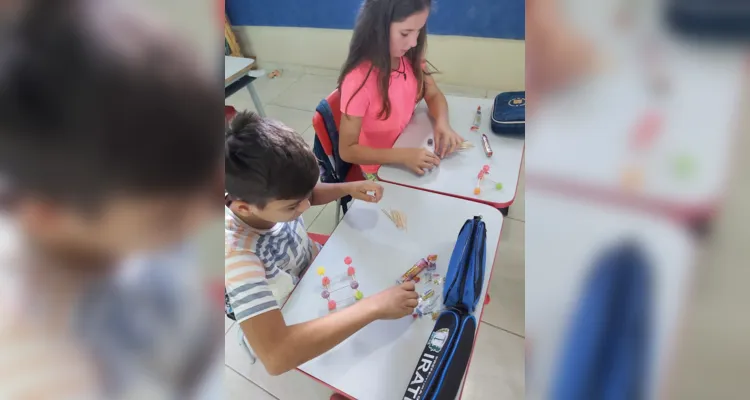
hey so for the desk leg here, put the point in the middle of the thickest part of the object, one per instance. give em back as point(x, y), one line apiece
point(256, 100)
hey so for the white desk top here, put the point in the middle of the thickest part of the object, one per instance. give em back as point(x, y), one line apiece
point(377, 362)
point(580, 140)
point(235, 68)
point(457, 173)
point(562, 239)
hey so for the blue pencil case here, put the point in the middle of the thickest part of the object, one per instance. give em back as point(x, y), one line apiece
point(445, 358)
point(509, 114)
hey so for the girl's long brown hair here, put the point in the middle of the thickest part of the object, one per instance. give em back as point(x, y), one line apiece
point(371, 42)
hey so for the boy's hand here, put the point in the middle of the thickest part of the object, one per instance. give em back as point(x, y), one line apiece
point(394, 303)
point(358, 190)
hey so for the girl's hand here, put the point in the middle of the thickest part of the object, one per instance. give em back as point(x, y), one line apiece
point(359, 189)
point(446, 139)
point(419, 160)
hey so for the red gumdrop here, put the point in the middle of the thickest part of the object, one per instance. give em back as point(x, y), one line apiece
point(486, 168)
point(331, 305)
point(326, 281)
point(350, 271)
point(347, 260)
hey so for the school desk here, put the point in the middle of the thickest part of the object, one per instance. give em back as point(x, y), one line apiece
point(457, 174)
point(377, 362)
point(615, 139)
point(563, 240)
point(236, 77)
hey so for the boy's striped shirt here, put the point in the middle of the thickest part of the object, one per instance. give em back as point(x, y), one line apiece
point(263, 266)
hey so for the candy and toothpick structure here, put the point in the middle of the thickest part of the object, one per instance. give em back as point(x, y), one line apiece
point(482, 176)
point(334, 291)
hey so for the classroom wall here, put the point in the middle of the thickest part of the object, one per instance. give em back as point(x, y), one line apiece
point(457, 58)
point(460, 32)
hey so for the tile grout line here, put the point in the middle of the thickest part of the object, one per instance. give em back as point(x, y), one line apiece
point(253, 383)
point(505, 330)
point(307, 227)
point(290, 107)
point(271, 101)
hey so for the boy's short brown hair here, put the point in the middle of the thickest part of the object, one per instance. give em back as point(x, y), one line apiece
point(264, 160)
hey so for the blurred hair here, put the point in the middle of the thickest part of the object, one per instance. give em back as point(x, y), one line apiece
point(371, 43)
point(95, 105)
point(265, 160)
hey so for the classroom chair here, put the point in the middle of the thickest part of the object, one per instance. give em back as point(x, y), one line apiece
point(323, 137)
point(229, 113)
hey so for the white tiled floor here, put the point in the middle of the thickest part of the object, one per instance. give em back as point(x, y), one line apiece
point(497, 367)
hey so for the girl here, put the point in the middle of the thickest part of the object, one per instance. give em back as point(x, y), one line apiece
point(384, 77)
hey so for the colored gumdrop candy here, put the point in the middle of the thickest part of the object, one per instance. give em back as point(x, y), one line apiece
point(486, 169)
point(354, 285)
point(350, 271)
point(321, 271)
point(325, 294)
point(326, 281)
point(498, 186)
point(331, 305)
point(477, 190)
point(358, 295)
point(347, 260)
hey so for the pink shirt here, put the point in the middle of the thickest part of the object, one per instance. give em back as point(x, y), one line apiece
point(378, 133)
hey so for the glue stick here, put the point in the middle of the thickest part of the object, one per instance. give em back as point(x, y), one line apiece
point(477, 119)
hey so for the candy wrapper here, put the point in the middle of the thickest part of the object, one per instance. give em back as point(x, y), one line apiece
point(428, 263)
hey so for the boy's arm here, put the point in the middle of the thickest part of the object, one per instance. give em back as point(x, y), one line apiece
point(282, 348)
point(324, 193)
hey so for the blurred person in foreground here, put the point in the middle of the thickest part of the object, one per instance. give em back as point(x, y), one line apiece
point(556, 54)
point(109, 149)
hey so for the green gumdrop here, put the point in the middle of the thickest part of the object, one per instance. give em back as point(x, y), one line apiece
point(684, 166)
point(358, 295)
point(498, 186)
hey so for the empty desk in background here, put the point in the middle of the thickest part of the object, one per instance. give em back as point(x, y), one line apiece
point(236, 77)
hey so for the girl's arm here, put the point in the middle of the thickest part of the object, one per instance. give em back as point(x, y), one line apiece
point(446, 139)
point(417, 160)
point(437, 105)
point(352, 152)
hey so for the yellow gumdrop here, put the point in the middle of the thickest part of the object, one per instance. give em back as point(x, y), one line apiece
point(321, 271)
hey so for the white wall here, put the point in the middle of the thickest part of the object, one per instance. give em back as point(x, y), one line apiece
point(457, 57)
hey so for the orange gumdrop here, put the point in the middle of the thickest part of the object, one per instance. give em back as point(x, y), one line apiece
point(477, 190)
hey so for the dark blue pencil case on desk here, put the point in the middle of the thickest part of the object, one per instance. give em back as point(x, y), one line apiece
point(445, 358)
point(508, 116)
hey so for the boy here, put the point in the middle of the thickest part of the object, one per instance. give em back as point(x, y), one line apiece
point(108, 147)
point(271, 179)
